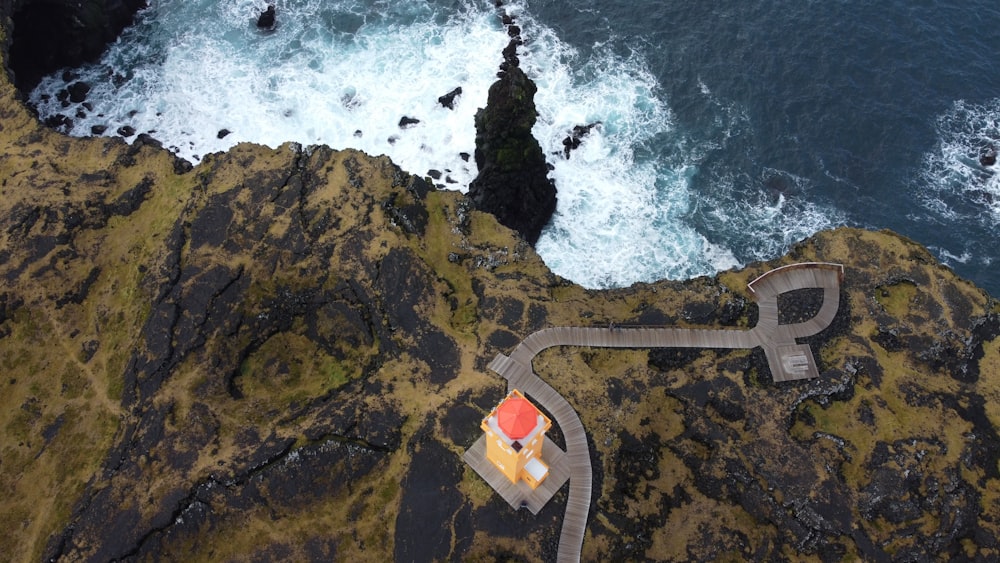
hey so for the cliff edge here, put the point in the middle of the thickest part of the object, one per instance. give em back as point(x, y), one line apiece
point(46, 35)
point(513, 181)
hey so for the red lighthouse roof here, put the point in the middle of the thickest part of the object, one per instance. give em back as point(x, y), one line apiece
point(517, 417)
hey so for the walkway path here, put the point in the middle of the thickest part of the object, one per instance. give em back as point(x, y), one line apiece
point(787, 360)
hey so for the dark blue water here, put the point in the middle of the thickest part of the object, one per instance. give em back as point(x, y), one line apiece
point(729, 130)
point(863, 107)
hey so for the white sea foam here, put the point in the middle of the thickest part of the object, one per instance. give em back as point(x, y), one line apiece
point(948, 258)
point(620, 213)
point(760, 213)
point(771, 220)
point(344, 72)
point(305, 82)
point(956, 186)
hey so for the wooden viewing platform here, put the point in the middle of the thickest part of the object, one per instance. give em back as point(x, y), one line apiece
point(787, 359)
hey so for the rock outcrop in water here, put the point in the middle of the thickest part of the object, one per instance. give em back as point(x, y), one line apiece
point(448, 100)
point(281, 354)
point(266, 19)
point(576, 136)
point(513, 182)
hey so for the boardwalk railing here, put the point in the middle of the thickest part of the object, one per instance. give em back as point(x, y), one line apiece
point(839, 268)
point(787, 359)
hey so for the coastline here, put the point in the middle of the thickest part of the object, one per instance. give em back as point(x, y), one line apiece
point(283, 353)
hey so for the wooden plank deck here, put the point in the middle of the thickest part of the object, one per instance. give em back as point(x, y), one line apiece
point(520, 495)
point(787, 359)
point(632, 337)
point(577, 456)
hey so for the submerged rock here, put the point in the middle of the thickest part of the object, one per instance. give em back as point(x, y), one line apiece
point(988, 155)
point(575, 138)
point(448, 100)
point(78, 91)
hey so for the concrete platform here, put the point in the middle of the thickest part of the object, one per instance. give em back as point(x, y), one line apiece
point(791, 362)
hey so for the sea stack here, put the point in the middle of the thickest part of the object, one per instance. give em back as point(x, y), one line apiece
point(266, 19)
point(45, 35)
point(513, 181)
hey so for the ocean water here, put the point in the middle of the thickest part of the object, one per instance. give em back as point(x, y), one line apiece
point(727, 131)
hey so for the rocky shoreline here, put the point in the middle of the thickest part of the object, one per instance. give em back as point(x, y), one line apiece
point(281, 354)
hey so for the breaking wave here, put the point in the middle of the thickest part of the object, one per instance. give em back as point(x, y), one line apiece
point(200, 77)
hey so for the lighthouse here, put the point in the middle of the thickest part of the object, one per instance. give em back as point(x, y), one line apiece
point(515, 433)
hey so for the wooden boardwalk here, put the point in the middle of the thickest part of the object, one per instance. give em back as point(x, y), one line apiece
point(787, 359)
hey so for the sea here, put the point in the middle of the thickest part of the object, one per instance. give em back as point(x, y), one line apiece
point(725, 131)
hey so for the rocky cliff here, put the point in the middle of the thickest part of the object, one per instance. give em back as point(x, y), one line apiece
point(280, 354)
point(513, 183)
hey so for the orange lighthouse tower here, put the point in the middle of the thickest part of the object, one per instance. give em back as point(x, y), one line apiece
point(515, 433)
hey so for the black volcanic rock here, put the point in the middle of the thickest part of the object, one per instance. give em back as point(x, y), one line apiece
point(988, 155)
point(431, 493)
point(575, 138)
point(78, 91)
point(58, 121)
point(295, 340)
point(51, 34)
point(513, 181)
point(266, 18)
point(448, 100)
